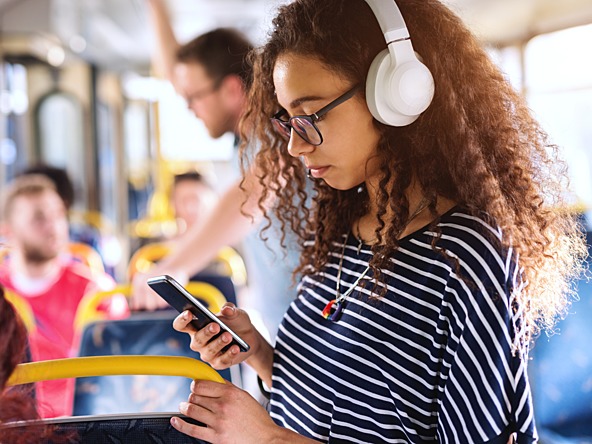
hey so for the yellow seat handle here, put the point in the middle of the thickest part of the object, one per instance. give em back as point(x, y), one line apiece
point(113, 365)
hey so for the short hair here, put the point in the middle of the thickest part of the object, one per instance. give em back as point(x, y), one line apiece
point(59, 177)
point(222, 52)
point(190, 176)
point(25, 185)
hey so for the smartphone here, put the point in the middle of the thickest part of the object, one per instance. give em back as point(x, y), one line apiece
point(180, 299)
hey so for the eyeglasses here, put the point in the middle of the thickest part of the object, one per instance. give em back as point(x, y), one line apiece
point(198, 95)
point(305, 126)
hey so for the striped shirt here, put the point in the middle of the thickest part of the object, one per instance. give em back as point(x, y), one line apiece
point(432, 360)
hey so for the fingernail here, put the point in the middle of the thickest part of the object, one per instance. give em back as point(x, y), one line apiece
point(212, 328)
point(185, 315)
point(174, 421)
point(225, 338)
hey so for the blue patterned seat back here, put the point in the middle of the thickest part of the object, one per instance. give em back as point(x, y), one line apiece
point(141, 334)
point(128, 429)
point(561, 374)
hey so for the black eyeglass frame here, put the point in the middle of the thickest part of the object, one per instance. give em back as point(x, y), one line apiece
point(287, 125)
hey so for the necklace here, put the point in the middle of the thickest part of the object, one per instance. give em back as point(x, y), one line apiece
point(335, 307)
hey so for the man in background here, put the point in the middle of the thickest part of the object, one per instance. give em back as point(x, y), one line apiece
point(38, 268)
point(212, 74)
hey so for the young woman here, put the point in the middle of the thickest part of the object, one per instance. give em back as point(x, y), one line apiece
point(434, 249)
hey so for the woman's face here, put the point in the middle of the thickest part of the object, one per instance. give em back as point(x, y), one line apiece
point(303, 86)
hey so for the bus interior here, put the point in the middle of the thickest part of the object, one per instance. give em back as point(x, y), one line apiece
point(79, 91)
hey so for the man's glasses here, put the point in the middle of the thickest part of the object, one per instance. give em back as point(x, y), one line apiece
point(199, 95)
point(305, 126)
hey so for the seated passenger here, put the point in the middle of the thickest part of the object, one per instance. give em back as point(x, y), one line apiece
point(38, 268)
point(78, 232)
point(192, 199)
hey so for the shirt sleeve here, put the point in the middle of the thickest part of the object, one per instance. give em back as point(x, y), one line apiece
point(486, 395)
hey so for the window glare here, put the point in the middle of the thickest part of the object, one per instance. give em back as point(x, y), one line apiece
point(559, 90)
point(560, 60)
point(557, 81)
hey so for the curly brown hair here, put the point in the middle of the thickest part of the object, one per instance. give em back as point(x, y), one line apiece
point(477, 145)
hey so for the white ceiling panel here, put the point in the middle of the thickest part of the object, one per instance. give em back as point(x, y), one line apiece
point(117, 32)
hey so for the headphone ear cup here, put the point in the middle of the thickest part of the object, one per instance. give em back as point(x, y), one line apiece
point(397, 95)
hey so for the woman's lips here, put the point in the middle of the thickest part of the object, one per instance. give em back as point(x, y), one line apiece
point(318, 171)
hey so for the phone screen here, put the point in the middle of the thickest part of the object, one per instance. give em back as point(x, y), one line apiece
point(180, 299)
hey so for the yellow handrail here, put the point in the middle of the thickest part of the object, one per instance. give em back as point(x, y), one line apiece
point(113, 365)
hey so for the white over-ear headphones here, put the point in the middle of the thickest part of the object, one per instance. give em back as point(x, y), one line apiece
point(399, 87)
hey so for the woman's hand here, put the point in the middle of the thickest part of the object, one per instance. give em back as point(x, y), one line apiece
point(230, 414)
point(211, 351)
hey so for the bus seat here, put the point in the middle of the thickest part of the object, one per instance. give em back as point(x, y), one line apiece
point(143, 333)
point(145, 257)
point(154, 428)
point(128, 428)
point(88, 256)
point(235, 265)
point(223, 283)
point(560, 373)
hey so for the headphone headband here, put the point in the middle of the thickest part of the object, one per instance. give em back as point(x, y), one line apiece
point(390, 20)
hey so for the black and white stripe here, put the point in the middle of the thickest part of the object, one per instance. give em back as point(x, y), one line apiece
point(432, 360)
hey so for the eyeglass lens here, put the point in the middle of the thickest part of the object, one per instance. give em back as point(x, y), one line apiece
point(303, 127)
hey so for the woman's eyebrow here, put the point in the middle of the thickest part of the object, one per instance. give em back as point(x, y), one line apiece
point(299, 101)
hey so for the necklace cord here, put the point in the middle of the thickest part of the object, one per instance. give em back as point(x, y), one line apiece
point(339, 300)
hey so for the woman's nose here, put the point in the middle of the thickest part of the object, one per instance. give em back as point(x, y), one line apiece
point(297, 146)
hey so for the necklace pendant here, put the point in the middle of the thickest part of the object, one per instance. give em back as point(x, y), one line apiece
point(329, 309)
point(333, 309)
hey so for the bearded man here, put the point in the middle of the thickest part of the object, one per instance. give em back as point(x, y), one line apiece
point(38, 268)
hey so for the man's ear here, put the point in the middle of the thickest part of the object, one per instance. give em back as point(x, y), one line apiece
point(234, 88)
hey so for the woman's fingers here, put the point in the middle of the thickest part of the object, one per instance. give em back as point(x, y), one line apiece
point(195, 431)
